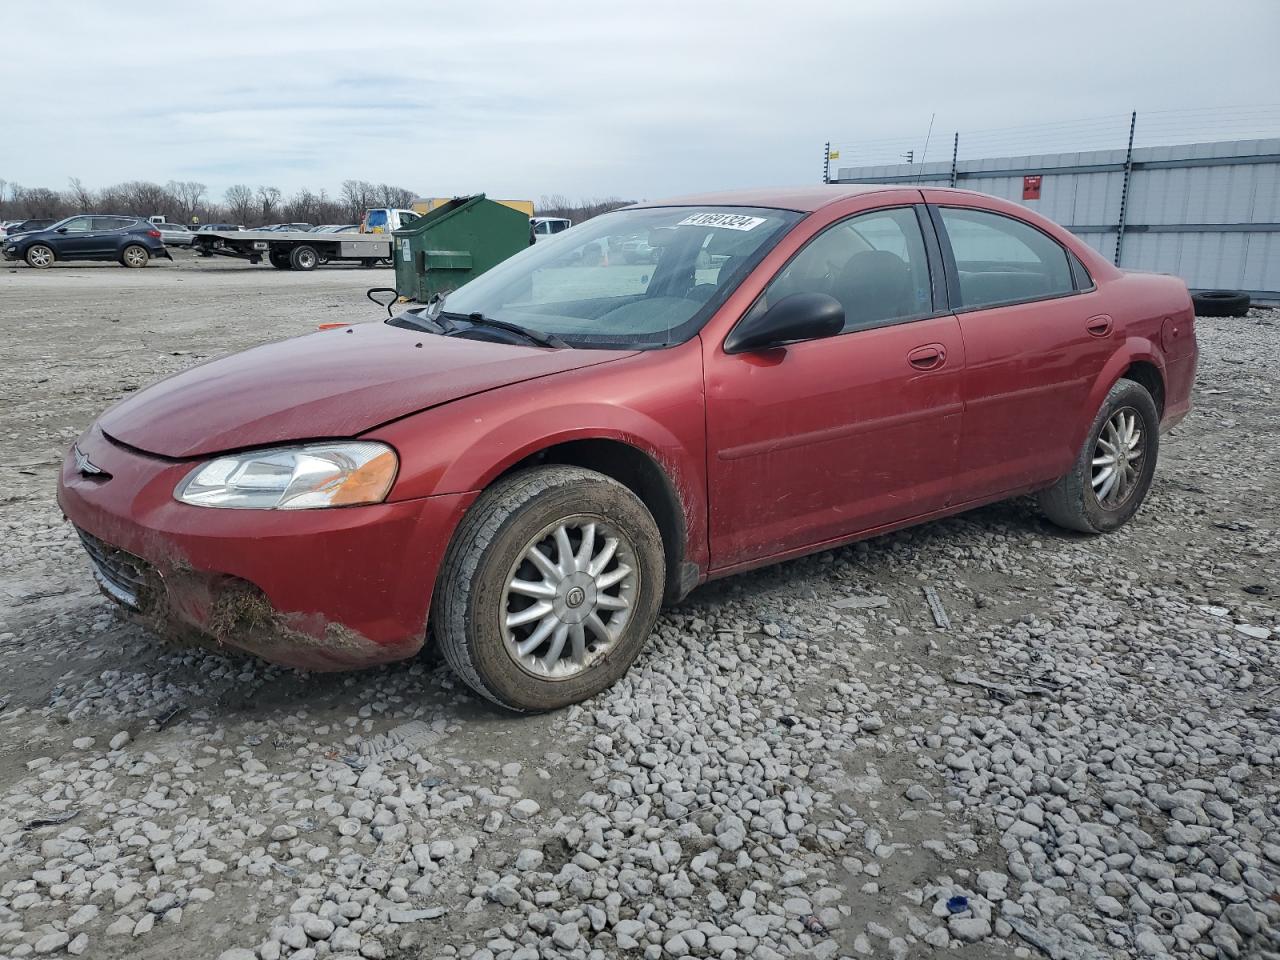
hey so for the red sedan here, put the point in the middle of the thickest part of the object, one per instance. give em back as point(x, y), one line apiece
point(531, 466)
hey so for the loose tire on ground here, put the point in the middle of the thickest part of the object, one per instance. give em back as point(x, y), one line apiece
point(279, 260)
point(1220, 303)
point(1074, 502)
point(474, 594)
point(135, 256)
point(303, 258)
point(40, 256)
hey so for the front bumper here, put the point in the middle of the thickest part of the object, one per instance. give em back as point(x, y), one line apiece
point(325, 589)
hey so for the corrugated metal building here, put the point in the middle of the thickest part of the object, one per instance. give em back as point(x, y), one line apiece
point(1208, 212)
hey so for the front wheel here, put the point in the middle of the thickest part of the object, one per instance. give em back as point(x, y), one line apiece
point(134, 256)
point(40, 256)
point(279, 260)
point(550, 588)
point(1111, 476)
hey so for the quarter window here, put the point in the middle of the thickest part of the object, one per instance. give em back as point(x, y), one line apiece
point(1003, 260)
point(875, 264)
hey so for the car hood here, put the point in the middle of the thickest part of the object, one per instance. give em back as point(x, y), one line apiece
point(335, 383)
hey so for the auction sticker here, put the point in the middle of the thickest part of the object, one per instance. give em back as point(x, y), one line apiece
point(726, 221)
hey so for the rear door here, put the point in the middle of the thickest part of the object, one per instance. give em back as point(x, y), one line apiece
point(1035, 344)
point(818, 441)
point(108, 236)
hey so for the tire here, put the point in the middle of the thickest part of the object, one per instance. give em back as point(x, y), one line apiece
point(1075, 501)
point(135, 256)
point(279, 260)
point(368, 264)
point(1220, 303)
point(205, 251)
point(40, 256)
point(488, 551)
point(303, 258)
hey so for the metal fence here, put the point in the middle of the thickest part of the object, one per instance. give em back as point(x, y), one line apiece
point(1207, 212)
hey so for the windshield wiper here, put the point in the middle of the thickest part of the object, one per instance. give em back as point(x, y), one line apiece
point(533, 336)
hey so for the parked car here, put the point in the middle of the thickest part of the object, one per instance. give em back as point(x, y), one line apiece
point(174, 234)
point(220, 227)
point(287, 227)
point(130, 240)
point(337, 228)
point(14, 228)
point(535, 463)
point(544, 227)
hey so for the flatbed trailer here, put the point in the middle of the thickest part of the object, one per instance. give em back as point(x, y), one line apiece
point(294, 250)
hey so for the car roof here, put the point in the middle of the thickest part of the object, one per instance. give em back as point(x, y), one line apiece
point(804, 198)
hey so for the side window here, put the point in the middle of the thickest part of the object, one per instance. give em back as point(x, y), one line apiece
point(101, 224)
point(79, 225)
point(1003, 260)
point(875, 264)
point(1080, 274)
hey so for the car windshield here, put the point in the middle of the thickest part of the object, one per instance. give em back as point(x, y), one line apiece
point(640, 278)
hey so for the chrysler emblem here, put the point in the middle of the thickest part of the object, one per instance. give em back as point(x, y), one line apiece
point(83, 463)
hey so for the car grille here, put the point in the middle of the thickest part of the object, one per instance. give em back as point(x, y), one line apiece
point(122, 576)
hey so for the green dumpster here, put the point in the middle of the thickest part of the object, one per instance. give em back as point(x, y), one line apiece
point(454, 243)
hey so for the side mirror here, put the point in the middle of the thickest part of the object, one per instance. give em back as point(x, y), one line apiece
point(62, 230)
point(801, 316)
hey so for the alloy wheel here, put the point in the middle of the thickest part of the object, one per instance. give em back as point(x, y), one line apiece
point(1117, 458)
point(568, 597)
point(40, 256)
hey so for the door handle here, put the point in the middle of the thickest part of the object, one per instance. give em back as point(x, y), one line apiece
point(1098, 326)
point(928, 357)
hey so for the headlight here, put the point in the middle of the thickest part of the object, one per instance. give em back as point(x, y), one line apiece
point(293, 478)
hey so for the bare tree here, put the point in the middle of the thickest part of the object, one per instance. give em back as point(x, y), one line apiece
point(268, 200)
point(395, 197)
point(188, 193)
point(81, 196)
point(358, 196)
point(39, 202)
point(239, 199)
point(558, 205)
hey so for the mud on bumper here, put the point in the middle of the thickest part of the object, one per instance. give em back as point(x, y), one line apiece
point(222, 612)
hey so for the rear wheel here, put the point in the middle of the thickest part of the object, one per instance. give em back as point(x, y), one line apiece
point(550, 588)
point(303, 258)
point(134, 256)
point(1111, 476)
point(279, 260)
point(40, 256)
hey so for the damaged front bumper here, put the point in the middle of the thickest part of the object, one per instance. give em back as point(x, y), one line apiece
point(327, 589)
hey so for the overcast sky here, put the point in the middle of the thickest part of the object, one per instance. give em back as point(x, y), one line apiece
point(519, 99)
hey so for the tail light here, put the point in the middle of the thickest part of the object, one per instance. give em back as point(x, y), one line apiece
point(155, 234)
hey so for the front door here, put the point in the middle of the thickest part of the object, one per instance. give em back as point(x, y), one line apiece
point(76, 238)
point(818, 441)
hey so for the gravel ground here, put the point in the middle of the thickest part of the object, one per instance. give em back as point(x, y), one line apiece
point(1085, 764)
